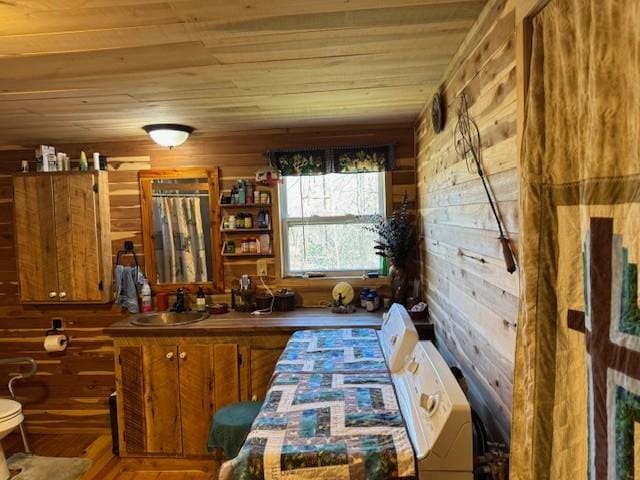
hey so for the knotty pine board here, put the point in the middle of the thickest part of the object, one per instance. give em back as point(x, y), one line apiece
point(219, 65)
point(472, 299)
point(71, 390)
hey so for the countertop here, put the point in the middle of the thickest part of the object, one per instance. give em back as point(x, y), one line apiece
point(237, 323)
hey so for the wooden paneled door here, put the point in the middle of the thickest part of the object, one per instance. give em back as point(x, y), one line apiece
point(263, 364)
point(149, 400)
point(163, 423)
point(226, 373)
point(35, 238)
point(167, 395)
point(62, 232)
point(196, 366)
point(77, 242)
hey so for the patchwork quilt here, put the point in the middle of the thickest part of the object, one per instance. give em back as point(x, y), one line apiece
point(327, 426)
point(333, 351)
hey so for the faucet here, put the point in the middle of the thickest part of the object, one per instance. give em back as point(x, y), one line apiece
point(179, 306)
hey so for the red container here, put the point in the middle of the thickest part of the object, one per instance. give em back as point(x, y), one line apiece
point(162, 301)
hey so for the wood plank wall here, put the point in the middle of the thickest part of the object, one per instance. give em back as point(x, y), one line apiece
point(71, 389)
point(472, 299)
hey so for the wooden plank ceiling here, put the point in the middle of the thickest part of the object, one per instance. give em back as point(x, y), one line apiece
point(80, 70)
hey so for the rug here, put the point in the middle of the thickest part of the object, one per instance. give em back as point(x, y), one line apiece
point(33, 467)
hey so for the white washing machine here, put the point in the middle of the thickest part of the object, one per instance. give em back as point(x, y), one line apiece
point(435, 409)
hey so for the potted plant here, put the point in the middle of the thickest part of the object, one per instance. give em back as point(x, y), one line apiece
point(397, 243)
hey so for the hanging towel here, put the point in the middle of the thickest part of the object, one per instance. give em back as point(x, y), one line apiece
point(129, 280)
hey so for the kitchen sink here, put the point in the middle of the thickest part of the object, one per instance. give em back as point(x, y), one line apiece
point(167, 319)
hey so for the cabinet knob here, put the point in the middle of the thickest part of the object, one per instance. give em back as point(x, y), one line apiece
point(63, 294)
point(170, 355)
point(53, 294)
point(183, 355)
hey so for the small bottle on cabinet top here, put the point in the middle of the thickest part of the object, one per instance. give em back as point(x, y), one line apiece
point(84, 165)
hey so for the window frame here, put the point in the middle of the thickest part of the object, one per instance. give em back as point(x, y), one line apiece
point(286, 222)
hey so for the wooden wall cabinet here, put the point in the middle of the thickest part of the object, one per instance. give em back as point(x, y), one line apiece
point(168, 389)
point(62, 237)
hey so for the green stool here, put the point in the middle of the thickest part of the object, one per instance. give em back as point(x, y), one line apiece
point(230, 426)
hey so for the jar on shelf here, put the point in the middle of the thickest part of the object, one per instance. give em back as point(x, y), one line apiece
point(248, 221)
point(230, 247)
point(240, 220)
point(253, 247)
point(225, 223)
point(245, 245)
point(232, 222)
point(264, 198)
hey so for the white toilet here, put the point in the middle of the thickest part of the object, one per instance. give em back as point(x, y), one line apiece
point(10, 418)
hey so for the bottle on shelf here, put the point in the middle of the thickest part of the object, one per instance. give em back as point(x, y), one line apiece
point(201, 300)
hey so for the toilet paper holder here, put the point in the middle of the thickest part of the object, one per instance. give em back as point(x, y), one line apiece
point(57, 329)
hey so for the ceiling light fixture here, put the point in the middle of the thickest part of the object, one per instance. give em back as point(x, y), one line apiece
point(168, 134)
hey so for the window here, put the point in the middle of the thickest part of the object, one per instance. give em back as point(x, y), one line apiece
point(322, 221)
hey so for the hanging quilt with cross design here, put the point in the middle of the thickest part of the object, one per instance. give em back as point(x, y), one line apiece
point(577, 380)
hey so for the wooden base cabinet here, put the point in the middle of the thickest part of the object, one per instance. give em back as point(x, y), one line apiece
point(167, 394)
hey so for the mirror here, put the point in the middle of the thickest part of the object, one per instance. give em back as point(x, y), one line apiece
point(181, 229)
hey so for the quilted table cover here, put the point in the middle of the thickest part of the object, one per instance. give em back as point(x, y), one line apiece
point(333, 351)
point(327, 426)
point(330, 413)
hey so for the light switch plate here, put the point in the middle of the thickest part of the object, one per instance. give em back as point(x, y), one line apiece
point(261, 268)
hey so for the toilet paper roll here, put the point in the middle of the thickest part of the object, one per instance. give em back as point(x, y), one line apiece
point(55, 343)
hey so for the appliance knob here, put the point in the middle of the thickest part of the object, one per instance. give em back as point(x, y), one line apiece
point(430, 403)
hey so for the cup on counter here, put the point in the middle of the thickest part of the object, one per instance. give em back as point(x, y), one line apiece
point(162, 301)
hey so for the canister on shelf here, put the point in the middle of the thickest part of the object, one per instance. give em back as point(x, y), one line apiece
point(264, 197)
point(245, 245)
point(232, 222)
point(230, 247)
point(248, 221)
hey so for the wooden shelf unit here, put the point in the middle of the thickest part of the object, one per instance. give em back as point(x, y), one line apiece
point(234, 233)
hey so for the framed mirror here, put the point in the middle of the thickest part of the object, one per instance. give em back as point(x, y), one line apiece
point(181, 229)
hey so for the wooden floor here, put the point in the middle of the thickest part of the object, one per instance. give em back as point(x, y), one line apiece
point(106, 466)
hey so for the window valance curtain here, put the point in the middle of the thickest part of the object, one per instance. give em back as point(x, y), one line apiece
point(323, 160)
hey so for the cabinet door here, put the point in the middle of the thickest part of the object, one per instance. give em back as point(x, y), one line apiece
point(196, 396)
point(226, 374)
point(262, 363)
point(35, 238)
point(77, 242)
point(161, 399)
point(130, 388)
point(149, 399)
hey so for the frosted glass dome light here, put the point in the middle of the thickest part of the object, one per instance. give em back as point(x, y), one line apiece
point(168, 134)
